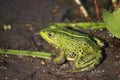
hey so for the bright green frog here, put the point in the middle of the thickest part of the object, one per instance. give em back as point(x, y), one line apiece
point(82, 48)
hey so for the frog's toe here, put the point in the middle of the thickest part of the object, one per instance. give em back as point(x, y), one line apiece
point(59, 60)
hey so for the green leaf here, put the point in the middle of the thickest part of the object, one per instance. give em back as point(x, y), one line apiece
point(112, 21)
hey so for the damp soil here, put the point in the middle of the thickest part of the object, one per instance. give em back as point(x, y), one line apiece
point(27, 18)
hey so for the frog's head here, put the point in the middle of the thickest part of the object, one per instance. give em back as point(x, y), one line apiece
point(48, 34)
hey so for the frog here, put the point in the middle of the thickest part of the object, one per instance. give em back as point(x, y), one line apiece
point(81, 48)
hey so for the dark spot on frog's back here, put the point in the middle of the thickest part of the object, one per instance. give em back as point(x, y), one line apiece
point(72, 37)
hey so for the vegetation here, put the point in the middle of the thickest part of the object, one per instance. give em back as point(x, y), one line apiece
point(112, 21)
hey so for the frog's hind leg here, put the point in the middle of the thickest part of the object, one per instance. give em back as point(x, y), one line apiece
point(87, 63)
point(99, 42)
point(60, 58)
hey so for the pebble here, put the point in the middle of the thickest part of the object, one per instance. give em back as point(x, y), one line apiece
point(6, 77)
point(42, 62)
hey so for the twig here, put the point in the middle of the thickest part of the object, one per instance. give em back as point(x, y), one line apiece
point(84, 11)
point(97, 9)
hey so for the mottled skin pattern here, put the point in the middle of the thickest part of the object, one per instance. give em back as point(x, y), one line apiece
point(79, 47)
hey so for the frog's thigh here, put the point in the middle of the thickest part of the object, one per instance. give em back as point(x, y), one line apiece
point(59, 59)
point(89, 65)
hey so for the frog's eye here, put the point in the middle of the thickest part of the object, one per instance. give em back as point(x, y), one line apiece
point(50, 34)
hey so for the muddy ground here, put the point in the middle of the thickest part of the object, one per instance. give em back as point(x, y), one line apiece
point(26, 18)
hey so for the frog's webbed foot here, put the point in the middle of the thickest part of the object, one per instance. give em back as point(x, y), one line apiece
point(85, 69)
point(59, 58)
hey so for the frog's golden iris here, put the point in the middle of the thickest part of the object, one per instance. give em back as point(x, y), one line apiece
point(79, 47)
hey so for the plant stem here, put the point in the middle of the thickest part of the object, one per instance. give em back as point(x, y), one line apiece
point(85, 25)
point(26, 53)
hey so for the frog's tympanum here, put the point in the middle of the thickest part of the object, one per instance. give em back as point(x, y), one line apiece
point(82, 48)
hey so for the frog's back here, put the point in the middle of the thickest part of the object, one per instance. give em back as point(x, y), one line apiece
point(74, 47)
point(75, 39)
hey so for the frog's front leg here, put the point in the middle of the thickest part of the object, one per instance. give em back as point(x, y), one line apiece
point(59, 58)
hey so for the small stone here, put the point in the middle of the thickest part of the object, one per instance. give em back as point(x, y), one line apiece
point(119, 76)
point(6, 55)
point(42, 62)
point(6, 77)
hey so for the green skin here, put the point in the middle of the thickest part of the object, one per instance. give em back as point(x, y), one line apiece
point(81, 48)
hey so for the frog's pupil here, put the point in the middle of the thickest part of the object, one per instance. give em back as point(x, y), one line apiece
point(49, 34)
